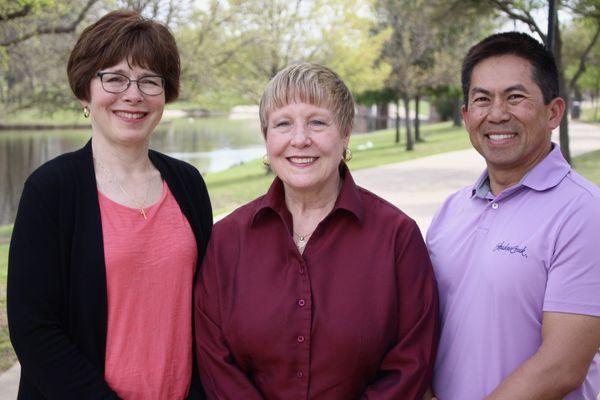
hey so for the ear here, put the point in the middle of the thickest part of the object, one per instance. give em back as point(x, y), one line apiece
point(556, 110)
point(464, 111)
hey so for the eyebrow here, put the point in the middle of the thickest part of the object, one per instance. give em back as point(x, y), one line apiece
point(517, 87)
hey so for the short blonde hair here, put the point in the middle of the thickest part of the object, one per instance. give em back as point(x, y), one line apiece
point(312, 84)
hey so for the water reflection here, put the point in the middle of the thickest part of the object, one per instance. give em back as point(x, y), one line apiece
point(210, 144)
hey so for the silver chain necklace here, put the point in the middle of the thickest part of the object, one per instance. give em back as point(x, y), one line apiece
point(113, 179)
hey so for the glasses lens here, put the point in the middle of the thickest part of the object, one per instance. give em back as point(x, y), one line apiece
point(114, 83)
point(151, 85)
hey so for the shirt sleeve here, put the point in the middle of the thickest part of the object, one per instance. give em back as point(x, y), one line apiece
point(406, 370)
point(221, 376)
point(49, 359)
point(574, 273)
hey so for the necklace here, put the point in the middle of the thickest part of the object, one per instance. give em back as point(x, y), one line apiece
point(113, 179)
point(302, 240)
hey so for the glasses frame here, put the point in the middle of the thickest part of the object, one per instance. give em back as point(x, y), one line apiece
point(137, 82)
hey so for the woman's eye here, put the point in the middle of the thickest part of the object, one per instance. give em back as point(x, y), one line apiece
point(317, 122)
point(116, 79)
point(151, 81)
point(281, 124)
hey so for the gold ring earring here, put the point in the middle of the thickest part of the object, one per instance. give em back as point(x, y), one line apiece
point(265, 160)
point(347, 155)
point(86, 112)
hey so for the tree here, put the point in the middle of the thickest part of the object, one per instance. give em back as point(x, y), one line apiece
point(580, 10)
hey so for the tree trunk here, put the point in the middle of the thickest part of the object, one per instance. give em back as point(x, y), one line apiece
point(418, 138)
point(456, 115)
point(397, 121)
point(410, 145)
point(564, 93)
point(382, 116)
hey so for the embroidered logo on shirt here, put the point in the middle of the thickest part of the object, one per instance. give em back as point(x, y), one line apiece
point(512, 249)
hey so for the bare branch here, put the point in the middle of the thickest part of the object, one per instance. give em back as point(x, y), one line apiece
point(583, 59)
point(16, 14)
point(511, 10)
point(51, 29)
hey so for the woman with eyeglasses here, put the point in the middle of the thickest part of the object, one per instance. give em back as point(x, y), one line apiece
point(108, 238)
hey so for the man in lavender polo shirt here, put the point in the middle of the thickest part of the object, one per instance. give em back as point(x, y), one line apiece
point(517, 255)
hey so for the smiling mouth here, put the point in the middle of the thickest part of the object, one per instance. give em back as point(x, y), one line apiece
point(302, 160)
point(130, 115)
point(500, 137)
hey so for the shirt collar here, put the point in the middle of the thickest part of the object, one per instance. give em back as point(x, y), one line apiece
point(545, 175)
point(348, 199)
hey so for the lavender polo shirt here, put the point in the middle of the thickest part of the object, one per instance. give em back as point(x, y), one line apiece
point(500, 262)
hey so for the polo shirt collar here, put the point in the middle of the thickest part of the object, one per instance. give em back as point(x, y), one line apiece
point(348, 199)
point(545, 175)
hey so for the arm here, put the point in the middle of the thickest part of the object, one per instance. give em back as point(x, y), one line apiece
point(221, 377)
point(569, 343)
point(406, 370)
point(35, 296)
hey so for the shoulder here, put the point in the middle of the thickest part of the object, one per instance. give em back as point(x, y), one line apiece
point(239, 220)
point(579, 186)
point(65, 166)
point(384, 215)
point(173, 164)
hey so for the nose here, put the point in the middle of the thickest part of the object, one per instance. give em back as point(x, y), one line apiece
point(300, 136)
point(498, 112)
point(133, 93)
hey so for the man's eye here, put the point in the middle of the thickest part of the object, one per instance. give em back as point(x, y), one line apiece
point(515, 96)
point(480, 99)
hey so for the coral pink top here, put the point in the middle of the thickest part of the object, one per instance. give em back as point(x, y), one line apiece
point(149, 275)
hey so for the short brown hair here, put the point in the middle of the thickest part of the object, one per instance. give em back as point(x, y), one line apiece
point(124, 35)
point(309, 83)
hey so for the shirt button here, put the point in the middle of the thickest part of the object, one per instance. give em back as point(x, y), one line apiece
point(495, 206)
point(301, 270)
point(300, 339)
point(301, 302)
point(299, 374)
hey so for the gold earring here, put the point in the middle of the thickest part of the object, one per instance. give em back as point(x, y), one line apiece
point(86, 112)
point(265, 160)
point(347, 155)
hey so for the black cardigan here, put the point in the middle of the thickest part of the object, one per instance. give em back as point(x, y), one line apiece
point(56, 297)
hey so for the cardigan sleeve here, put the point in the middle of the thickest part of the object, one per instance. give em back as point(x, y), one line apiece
point(50, 360)
point(406, 370)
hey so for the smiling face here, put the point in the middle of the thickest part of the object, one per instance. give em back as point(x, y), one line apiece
point(507, 120)
point(126, 118)
point(305, 147)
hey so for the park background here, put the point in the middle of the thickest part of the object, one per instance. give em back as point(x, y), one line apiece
point(401, 60)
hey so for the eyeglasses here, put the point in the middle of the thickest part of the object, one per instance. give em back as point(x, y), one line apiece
point(151, 85)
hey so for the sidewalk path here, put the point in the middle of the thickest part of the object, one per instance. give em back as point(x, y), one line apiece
point(418, 187)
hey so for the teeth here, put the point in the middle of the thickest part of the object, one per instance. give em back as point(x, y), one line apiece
point(503, 136)
point(302, 160)
point(129, 115)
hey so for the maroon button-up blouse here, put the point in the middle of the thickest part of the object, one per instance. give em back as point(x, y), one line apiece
point(354, 317)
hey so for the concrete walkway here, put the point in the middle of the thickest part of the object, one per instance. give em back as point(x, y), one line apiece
point(418, 187)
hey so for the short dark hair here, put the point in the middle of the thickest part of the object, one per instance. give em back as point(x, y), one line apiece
point(124, 35)
point(545, 72)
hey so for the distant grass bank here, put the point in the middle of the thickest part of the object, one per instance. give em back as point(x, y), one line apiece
point(588, 165)
point(238, 185)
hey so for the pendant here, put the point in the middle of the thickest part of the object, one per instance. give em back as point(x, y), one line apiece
point(143, 212)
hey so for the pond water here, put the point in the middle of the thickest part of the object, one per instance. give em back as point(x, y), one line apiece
point(210, 144)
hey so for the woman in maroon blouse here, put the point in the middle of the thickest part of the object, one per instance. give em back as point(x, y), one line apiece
point(319, 289)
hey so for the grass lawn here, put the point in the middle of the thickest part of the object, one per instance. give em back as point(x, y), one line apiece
point(238, 185)
point(588, 165)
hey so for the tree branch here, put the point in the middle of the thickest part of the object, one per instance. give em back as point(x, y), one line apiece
point(508, 7)
point(16, 14)
point(583, 59)
point(41, 30)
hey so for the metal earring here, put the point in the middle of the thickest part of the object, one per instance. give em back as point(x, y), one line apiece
point(265, 160)
point(86, 112)
point(347, 154)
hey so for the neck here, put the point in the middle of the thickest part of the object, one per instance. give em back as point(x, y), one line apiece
point(503, 178)
point(301, 203)
point(123, 160)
